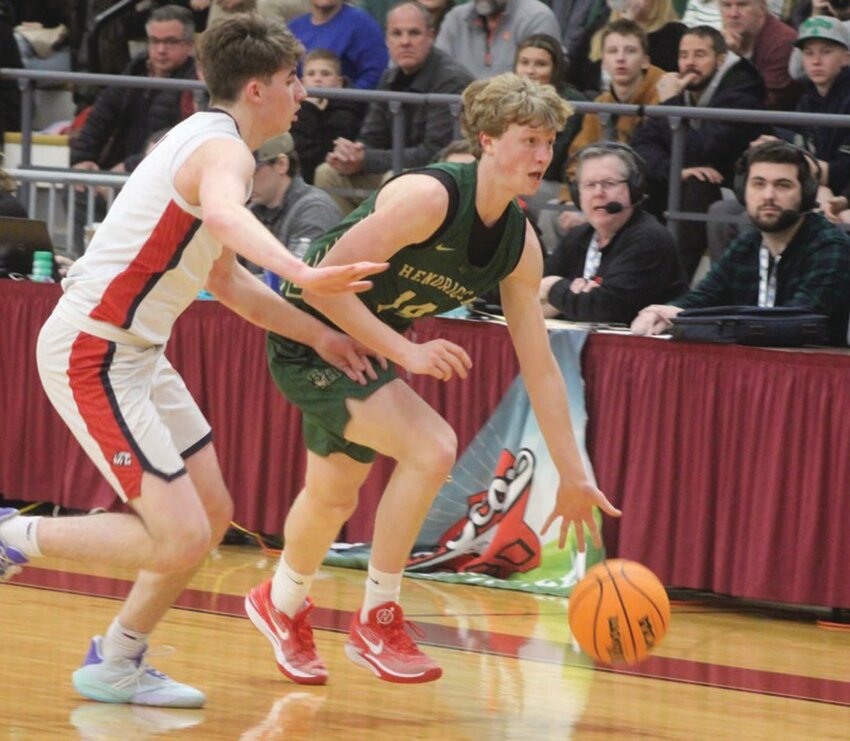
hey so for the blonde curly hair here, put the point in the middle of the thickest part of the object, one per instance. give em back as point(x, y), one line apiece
point(491, 106)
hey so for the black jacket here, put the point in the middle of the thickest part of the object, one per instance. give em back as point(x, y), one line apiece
point(708, 143)
point(123, 119)
point(639, 266)
point(830, 143)
point(428, 128)
point(315, 130)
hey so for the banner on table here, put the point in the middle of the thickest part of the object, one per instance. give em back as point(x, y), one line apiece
point(485, 525)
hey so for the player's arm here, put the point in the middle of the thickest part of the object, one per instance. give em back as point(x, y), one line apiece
point(548, 395)
point(251, 299)
point(216, 177)
point(408, 211)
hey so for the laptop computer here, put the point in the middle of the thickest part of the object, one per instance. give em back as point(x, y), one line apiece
point(19, 239)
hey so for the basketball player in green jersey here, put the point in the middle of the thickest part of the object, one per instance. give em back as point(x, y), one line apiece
point(449, 232)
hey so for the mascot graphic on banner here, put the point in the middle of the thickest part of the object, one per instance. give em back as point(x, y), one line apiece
point(493, 538)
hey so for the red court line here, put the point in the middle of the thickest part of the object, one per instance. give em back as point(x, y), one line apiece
point(792, 686)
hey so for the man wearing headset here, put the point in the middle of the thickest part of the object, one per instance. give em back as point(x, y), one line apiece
point(608, 268)
point(793, 257)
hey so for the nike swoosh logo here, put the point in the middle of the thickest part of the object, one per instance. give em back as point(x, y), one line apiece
point(283, 633)
point(443, 248)
point(375, 648)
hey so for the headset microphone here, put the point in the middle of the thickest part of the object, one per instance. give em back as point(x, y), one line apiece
point(615, 207)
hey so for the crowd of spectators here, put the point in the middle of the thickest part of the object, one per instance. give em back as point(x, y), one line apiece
point(732, 54)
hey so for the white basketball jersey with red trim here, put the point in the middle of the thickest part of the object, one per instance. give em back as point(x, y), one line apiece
point(151, 255)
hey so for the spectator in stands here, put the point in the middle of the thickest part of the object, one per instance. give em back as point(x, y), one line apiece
point(288, 207)
point(10, 56)
point(607, 269)
point(793, 257)
point(708, 77)
point(539, 57)
point(419, 68)
point(840, 11)
point(663, 31)
point(752, 32)
point(114, 134)
point(351, 33)
point(625, 60)
point(122, 119)
point(321, 121)
point(824, 42)
point(483, 35)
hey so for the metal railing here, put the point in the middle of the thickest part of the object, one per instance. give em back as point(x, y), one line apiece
point(65, 181)
point(675, 115)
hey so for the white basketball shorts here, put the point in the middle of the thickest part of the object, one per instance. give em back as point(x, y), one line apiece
point(125, 404)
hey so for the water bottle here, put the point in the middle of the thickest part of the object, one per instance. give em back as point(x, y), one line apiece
point(42, 267)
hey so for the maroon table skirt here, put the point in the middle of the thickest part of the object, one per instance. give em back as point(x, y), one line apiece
point(730, 463)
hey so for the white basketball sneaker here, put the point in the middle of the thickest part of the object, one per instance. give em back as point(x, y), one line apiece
point(11, 559)
point(131, 681)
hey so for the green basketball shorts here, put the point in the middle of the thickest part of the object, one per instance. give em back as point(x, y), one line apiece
point(321, 391)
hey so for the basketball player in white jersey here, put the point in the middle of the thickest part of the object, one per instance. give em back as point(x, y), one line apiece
point(174, 229)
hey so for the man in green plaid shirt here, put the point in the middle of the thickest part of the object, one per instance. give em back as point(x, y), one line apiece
point(794, 257)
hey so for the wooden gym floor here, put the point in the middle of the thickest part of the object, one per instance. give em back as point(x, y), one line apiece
point(510, 669)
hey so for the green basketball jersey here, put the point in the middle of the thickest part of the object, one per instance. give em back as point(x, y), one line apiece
point(434, 276)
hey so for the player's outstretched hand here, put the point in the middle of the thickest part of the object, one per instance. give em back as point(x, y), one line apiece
point(335, 279)
point(438, 358)
point(574, 504)
point(348, 355)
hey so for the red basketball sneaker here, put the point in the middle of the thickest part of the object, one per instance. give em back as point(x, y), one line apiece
point(291, 638)
point(383, 645)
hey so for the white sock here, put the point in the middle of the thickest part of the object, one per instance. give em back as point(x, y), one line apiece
point(21, 533)
point(123, 643)
point(289, 588)
point(381, 587)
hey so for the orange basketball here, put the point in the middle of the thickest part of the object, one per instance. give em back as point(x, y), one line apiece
point(619, 612)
